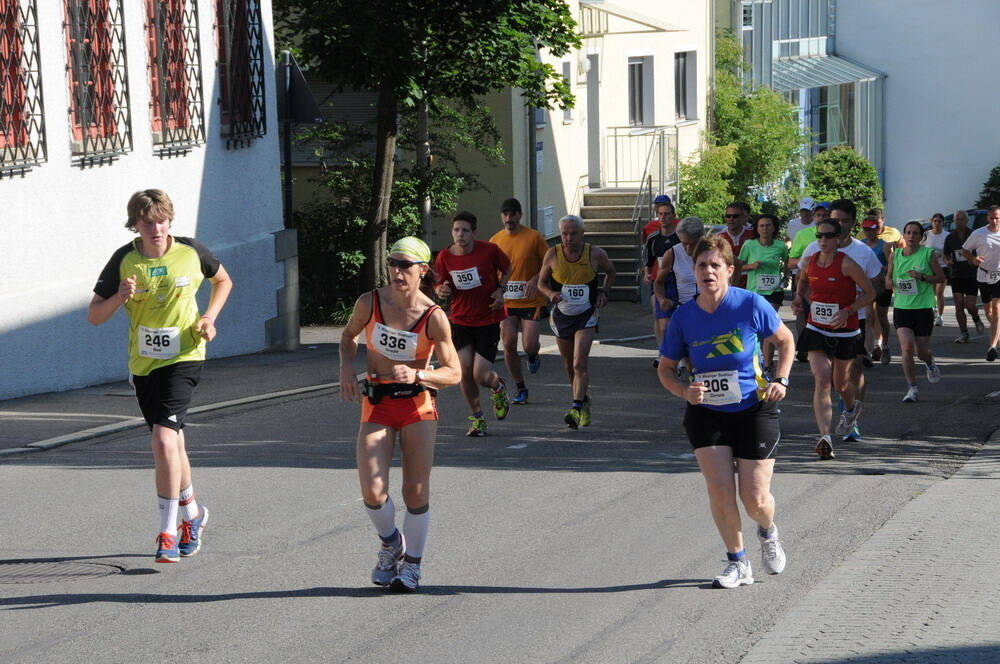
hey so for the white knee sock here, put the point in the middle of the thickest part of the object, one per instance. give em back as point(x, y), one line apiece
point(168, 515)
point(383, 518)
point(415, 527)
point(188, 505)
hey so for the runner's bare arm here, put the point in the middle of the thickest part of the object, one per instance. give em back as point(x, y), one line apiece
point(659, 284)
point(349, 347)
point(693, 393)
point(222, 286)
point(601, 263)
point(101, 309)
point(545, 273)
point(449, 371)
point(784, 343)
point(938, 276)
point(889, 272)
point(801, 291)
point(853, 270)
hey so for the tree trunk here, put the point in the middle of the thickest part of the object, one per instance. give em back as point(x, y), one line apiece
point(375, 272)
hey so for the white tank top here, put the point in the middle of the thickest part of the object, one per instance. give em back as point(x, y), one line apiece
point(687, 287)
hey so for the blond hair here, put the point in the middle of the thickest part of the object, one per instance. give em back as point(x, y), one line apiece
point(148, 202)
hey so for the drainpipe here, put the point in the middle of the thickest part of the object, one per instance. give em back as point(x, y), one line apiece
point(532, 167)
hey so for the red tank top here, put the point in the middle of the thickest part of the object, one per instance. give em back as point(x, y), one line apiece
point(830, 291)
point(411, 345)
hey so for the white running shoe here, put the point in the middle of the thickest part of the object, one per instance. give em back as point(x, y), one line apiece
point(387, 566)
point(736, 574)
point(963, 338)
point(772, 554)
point(938, 321)
point(980, 327)
point(824, 448)
point(849, 418)
point(911, 395)
point(933, 374)
point(408, 579)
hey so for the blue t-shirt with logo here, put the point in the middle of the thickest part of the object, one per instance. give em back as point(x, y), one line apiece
point(724, 346)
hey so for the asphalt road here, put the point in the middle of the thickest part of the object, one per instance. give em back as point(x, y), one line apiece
point(547, 545)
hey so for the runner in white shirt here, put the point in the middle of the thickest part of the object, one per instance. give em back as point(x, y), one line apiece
point(845, 212)
point(934, 238)
point(982, 249)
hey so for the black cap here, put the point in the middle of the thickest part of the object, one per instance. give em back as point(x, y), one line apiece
point(511, 205)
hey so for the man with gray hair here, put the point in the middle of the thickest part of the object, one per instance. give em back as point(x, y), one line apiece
point(569, 278)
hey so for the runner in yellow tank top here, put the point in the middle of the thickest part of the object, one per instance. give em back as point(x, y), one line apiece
point(569, 279)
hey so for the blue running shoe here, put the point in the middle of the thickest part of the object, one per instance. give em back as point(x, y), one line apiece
point(190, 533)
point(520, 398)
point(166, 549)
point(853, 435)
point(534, 363)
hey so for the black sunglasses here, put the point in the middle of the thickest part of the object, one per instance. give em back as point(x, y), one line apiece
point(829, 236)
point(733, 216)
point(402, 265)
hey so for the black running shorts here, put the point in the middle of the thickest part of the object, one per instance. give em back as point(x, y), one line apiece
point(921, 321)
point(841, 348)
point(482, 338)
point(752, 433)
point(165, 393)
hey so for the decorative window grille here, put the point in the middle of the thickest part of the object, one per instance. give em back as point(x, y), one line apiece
point(176, 109)
point(100, 123)
point(22, 124)
point(240, 37)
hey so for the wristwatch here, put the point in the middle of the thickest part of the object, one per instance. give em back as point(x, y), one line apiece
point(781, 381)
point(420, 376)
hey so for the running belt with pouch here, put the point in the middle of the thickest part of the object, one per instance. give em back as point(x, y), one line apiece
point(376, 391)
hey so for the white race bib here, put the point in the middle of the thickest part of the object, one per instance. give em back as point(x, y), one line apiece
point(906, 286)
point(722, 388)
point(159, 343)
point(576, 293)
point(466, 279)
point(993, 277)
point(824, 313)
point(515, 290)
point(394, 344)
point(767, 282)
point(960, 257)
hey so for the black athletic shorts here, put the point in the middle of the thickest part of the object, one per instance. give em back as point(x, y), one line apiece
point(565, 327)
point(965, 285)
point(921, 321)
point(775, 298)
point(482, 338)
point(752, 433)
point(841, 348)
point(528, 313)
point(165, 393)
point(989, 291)
point(884, 299)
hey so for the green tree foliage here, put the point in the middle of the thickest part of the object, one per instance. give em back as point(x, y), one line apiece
point(705, 183)
point(760, 124)
point(841, 172)
point(410, 51)
point(990, 195)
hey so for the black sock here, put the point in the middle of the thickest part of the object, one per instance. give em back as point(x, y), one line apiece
point(522, 386)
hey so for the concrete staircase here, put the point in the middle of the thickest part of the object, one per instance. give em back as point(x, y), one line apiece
point(607, 215)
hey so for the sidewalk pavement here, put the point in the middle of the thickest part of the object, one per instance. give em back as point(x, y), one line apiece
point(924, 588)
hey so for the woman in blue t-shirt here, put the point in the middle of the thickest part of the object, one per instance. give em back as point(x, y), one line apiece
point(732, 417)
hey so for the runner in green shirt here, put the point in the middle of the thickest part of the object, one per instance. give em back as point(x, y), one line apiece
point(155, 278)
point(764, 260)
point(912, 271)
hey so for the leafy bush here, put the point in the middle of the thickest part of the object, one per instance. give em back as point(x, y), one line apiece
point(841, 172)
point(990, 195)
point(705, 183)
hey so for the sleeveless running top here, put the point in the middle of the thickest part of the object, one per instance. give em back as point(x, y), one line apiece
point(576, 281)
point(910, 292)
point(411, 345)
point(879, 253)
point(687, 286)
point(829, 292)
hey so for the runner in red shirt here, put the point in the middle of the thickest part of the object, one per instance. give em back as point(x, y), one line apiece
point(474, 275)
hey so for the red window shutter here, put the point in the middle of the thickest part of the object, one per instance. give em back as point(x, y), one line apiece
point(152, 41)
point(178, 78)
point(104, 86)
point(13, 119)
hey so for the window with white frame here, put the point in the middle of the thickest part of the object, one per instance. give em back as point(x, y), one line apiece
point(567, 74)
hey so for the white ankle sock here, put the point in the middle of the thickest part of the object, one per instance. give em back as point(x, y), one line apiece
point(168, 515)
point(188, 505)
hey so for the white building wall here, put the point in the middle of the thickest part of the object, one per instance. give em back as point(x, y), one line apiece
point(59, 224)
point(941, 132)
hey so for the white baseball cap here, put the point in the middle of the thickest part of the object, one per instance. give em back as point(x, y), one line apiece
point(807, 203)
